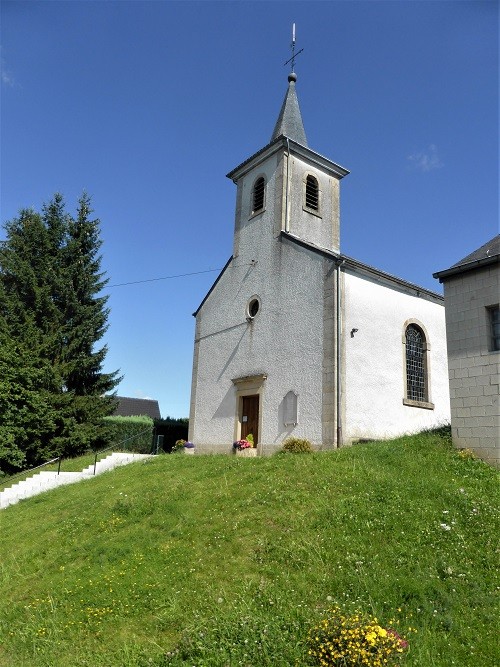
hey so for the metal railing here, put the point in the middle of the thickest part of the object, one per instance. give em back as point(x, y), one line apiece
point(30, 470)
point(59, 460)
point(117, 445)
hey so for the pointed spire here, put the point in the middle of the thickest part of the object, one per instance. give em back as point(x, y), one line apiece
point(289, 121)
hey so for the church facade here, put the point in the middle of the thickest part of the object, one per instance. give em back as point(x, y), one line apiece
point(295, 338)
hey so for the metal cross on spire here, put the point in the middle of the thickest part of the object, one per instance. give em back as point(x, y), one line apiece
point(294, 55)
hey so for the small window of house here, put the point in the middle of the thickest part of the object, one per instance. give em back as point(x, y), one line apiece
point(417, 368)
point(494, 318)
point(259, 188)
point(312, 193)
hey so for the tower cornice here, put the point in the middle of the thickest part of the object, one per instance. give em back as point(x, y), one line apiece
point(284, 143)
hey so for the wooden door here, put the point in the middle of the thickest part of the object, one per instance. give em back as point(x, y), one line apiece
point(250, 417)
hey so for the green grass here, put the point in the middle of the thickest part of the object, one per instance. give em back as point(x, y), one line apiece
point(224, 561)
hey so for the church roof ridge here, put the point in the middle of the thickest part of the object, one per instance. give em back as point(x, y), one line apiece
point(357, 264)
point(223, 270)
point(289, 123)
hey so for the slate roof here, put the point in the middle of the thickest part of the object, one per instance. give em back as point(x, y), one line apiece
point(289, 133)
point(289, 121)
point(489, 253)
point(137, 407)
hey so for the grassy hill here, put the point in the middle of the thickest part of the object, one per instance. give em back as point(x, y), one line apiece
point(215, 561)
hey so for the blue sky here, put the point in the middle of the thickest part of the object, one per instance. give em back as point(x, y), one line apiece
point(147, 105)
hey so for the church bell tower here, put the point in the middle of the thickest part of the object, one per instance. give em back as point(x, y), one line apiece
point(289, 187)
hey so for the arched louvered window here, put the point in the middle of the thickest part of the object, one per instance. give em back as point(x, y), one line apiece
point(312, 193)
point(259, 188)
point(416, 367)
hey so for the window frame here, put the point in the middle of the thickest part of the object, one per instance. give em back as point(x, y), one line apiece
point(411, 402)
point(314, 211)
point(493, 313)
point(252, 302)
point(257, 211)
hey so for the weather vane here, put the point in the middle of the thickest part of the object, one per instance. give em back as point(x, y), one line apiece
point(294, 55)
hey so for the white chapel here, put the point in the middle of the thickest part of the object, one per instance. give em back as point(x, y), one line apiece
point(295, 338)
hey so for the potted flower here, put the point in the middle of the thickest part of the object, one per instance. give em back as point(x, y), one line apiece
point(245, 446)
point(179, 446)
point(183, 446)
point(188, 447)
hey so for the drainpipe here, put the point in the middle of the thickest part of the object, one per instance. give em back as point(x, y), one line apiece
point(287, 221)
point(338, 342)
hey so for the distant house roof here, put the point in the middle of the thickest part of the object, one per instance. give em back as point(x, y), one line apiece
point(489, 253)
point(136, 407)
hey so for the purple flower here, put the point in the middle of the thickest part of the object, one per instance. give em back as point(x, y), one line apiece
point(241, 444)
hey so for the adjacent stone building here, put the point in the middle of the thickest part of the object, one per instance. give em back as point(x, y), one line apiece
point(472, 295)
point(295, 338)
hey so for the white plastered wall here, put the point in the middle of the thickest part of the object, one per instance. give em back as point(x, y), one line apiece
point(321, 227)
point(374, 369)
point(284, 341)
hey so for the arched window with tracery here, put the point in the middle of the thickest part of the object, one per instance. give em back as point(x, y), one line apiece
point(416, 364)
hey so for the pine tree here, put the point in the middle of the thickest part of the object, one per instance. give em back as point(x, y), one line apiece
point(27, 419)
point(27, 416)
point(51, 319)
point(84, 322)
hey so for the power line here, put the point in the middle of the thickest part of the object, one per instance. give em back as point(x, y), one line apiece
point(152, 280)
point(179, 275)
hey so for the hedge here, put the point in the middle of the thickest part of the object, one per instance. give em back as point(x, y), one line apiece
point(171, 429)
point(132, 434)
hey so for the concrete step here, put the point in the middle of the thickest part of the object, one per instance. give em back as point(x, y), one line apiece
point(46, 480)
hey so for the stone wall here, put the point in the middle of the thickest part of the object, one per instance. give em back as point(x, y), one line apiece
point(473, 365)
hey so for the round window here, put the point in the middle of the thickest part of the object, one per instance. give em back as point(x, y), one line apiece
point(253, 307)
